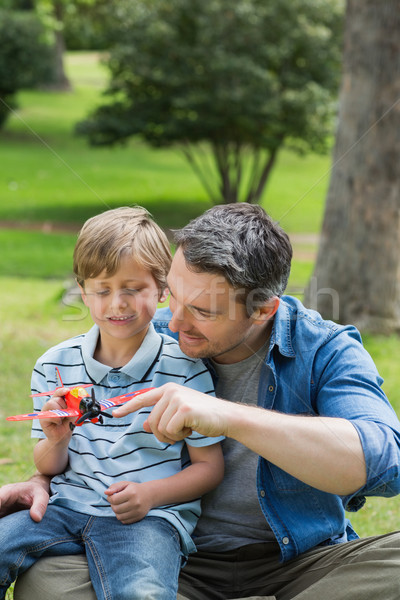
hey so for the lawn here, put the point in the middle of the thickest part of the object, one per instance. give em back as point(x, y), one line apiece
point(51, 181)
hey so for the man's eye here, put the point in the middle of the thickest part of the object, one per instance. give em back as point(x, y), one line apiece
point(202, 313)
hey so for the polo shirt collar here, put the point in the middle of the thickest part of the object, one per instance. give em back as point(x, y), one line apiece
point(136, 368)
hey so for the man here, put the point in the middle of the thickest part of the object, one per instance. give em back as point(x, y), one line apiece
point(309, 430)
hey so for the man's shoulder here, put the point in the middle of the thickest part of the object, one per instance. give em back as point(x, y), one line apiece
point(298, 325)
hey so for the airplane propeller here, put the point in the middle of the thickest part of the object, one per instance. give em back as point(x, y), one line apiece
point(93, 410)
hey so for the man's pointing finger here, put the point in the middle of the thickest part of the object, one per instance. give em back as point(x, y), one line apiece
point(140, 401)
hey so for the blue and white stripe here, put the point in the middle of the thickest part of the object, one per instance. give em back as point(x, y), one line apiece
point(120, 450)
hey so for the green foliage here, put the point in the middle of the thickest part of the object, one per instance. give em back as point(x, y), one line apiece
point(84, 24)
point(243, 78)
point(89, 25)
point(25, 58)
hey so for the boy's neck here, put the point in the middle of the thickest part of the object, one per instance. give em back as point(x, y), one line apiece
point(117, 353)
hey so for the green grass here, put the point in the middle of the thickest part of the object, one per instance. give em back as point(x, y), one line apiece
point(36, 254)
point(49, 176)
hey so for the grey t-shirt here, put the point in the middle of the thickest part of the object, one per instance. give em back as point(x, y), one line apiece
point(231, 514)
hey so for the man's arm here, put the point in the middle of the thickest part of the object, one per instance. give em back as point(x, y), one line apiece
point(32, 495)
point(323, 452)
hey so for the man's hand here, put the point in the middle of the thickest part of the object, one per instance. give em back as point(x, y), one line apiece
point(178, 411)
point(31, 495)
point(129, 500)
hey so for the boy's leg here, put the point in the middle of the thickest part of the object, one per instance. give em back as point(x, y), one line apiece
point(133, 562)
point(23, 541)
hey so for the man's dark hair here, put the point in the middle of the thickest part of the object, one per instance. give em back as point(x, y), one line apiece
point(244, 245)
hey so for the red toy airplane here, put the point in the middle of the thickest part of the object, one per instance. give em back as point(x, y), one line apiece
point(80, 404)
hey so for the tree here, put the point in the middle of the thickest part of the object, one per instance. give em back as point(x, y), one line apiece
point(51, 13)
point(25, 59)
point(358, 263)
point(57, 15)
point(227, 82)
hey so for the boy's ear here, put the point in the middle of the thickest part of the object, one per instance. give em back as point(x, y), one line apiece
point(83, 294)
point(164, 295)
point(266, 311)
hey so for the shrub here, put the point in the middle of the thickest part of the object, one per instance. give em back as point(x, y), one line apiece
point(25, 57)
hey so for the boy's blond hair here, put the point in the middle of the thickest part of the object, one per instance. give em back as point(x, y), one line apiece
point(105, 238)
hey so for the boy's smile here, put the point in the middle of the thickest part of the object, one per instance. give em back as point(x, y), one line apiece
point(122, 305)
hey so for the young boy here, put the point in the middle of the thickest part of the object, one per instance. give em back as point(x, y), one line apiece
point(127, 500)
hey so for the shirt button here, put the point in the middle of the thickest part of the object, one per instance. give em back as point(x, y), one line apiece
point(262, 494)
point(271, 388)
point(285, 541)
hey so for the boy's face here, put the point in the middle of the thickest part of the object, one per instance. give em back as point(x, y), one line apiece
point(123, 304)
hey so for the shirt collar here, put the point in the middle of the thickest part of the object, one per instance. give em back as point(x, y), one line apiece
point(136, 368)
point(281, 334)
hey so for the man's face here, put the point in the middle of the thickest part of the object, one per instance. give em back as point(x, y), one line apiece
point(210, 320)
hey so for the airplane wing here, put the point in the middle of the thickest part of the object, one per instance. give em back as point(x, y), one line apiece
point(117, 400)
point(51, 392)
point(47, 414)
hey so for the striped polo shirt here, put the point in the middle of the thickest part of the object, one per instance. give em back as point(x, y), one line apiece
point(119, 449)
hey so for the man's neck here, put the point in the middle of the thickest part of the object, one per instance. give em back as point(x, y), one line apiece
point(247, 347)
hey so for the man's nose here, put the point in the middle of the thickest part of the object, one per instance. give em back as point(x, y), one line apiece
point(178, 317)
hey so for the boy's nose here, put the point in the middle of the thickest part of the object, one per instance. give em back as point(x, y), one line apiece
point(118, 300)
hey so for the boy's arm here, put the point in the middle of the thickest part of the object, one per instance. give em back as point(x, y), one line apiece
point(132, 501)
point(51, 453)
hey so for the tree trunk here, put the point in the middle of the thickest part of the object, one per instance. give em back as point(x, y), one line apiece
point(357, 273)
point(61, 81)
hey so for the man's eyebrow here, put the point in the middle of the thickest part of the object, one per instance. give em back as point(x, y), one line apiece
point(193, 306)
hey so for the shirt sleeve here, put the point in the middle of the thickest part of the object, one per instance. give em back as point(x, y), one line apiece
point(39, 384)
point(348, 386)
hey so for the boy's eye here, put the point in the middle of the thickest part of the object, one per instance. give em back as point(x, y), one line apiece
point(101, 292)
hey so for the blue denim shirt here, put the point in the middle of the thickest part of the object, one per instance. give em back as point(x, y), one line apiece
point(320, 368)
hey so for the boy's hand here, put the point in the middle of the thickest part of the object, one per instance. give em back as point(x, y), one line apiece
point(57, 429)
point(130, 501)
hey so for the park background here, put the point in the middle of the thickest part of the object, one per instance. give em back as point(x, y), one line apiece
point(51, 181)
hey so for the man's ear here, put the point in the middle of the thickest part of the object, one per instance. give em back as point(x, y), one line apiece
point(164, 295)
point(266, 311)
